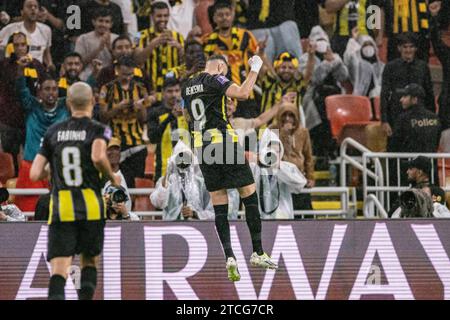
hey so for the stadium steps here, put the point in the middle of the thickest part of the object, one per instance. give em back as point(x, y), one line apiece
point(329, 201)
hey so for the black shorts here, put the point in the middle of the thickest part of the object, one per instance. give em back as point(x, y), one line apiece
point(227, 174)
point(66, 239)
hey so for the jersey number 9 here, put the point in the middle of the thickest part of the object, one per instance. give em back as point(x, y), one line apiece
point(71, 162)
point(198, 113)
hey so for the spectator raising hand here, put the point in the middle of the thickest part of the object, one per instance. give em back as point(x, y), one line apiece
point(435, 7)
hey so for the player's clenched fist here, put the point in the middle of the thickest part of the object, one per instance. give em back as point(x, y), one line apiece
point(255, 63)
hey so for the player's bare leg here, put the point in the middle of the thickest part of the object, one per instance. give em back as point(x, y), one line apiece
point(220, 202)
point(88, 281)
point(60, 271)
point(253, 218)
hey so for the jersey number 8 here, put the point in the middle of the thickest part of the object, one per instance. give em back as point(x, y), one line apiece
point(198, 112)
point(71, 161)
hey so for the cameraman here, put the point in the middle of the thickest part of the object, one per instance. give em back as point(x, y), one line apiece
point(9, 212)
point(181, 193)
point(114, 156)
point(416, 202)
point(276, 180)
point(116, 199)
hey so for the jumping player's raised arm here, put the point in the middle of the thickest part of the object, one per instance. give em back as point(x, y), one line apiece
point(243, 91)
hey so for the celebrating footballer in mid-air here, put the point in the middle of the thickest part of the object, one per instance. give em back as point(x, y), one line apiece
point(204, 97)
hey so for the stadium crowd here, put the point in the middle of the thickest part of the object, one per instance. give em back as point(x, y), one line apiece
point(136, 54)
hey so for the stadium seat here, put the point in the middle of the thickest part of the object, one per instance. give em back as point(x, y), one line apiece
point(150, 166)
point(348, 116)
point(375, 137)
point(377, 108)
point(142, 203)
point(6, 167)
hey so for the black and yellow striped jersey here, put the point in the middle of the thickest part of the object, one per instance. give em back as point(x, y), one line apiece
point(274, 89)
point(63, 85)
point(204, 98)
point(162, 59)
point(406, 16)
point(76, 183)
point(355, 14)
point(238, 49)
point(125, 125)
point(162, 127)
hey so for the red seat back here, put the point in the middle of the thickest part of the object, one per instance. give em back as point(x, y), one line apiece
point(142, 203)
point(150, 165)
point(6, 167)
point(347, 109)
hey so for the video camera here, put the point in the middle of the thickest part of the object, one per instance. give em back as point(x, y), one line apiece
point(4, 195)
point(416, 203)
point(117, 195)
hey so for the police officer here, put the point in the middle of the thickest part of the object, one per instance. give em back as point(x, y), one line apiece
point(416, 128)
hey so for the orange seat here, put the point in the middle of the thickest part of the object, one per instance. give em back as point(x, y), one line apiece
point(142, 203)
point(377, 108)
point(347, 111)
point(6, 167)
point(150, 166)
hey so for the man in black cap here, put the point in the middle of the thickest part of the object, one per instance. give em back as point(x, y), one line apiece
point(419, 170)
point(418, 177)
point(416, 129)
point(397, 74)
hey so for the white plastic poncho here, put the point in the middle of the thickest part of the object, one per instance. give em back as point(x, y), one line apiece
point(187, 187)
point(322, 69)
point(361, 71)
point(275, 186)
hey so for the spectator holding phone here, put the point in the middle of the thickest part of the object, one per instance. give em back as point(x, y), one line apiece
point(123, 105)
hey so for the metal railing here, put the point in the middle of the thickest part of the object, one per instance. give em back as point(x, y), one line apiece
point(370, 202)
point(376, 166)
point(385, 187)
point(347, 196)
point(376, 174)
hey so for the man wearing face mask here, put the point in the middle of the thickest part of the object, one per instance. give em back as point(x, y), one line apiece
point(181, 193)
point(276, 180)
point(297, 149)
point(163, 123)
point(329, 71)
point(352, 14)
point(364, 66)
